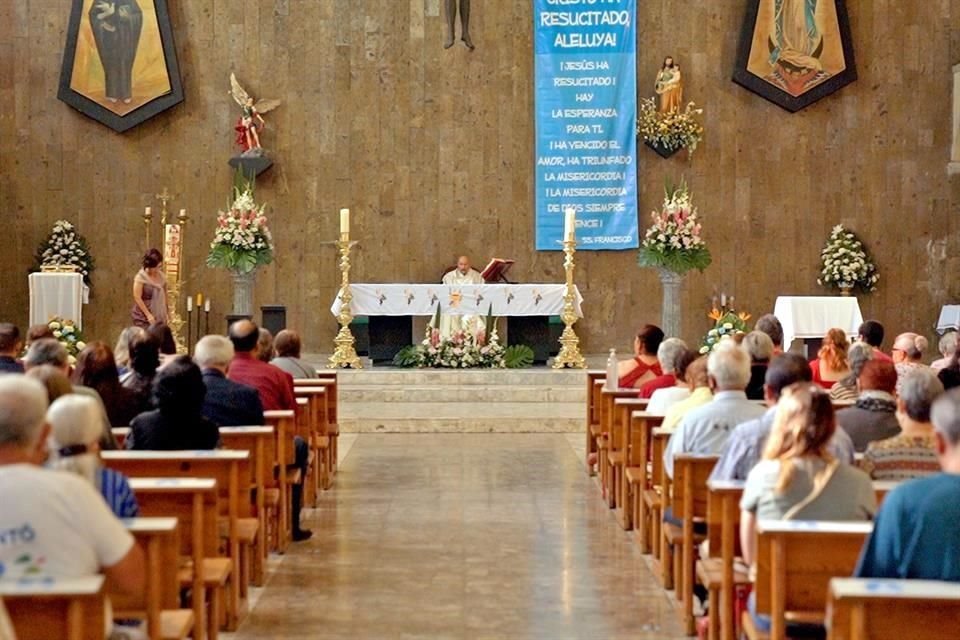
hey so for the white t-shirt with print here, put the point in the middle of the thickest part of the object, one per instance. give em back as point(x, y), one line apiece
point(54, 523)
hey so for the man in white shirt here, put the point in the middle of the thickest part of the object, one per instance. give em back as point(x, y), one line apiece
point(464, 274)
point(53, 523)
point(705, 430)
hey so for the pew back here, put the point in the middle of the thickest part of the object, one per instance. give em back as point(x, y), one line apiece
point(63, 608)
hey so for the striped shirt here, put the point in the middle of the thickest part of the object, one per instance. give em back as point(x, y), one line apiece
point(901, 458)
point(118, 494)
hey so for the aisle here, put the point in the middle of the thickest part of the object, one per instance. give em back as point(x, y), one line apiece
point(462, 536)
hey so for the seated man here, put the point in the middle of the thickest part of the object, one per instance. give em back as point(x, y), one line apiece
point(874, 416)
point(287, 345)
point(668, 354)
point(770, 325)
point(745, 447)
point(276, 394)
point(56, 523)
point(227, 403)
point(915, 535)
point(463, 274)
point(10, 345)
point(872, 332)
point(700, 394)
point(705, 429)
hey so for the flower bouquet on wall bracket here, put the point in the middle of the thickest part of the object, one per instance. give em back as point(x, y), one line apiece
point(846, 264)
point(64, 248)
point(668, 133)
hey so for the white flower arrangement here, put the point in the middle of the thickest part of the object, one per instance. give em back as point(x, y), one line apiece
point(242, 240)
point(68, 334)
point(462, 350)
point(846, 264)
point(65, 247)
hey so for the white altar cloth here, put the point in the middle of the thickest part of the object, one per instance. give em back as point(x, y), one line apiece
point(57, 294)
point(813, 316)
point(949, 318)
point(473, 300)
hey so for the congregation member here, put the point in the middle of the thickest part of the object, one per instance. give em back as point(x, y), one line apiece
point(163, 336)
point(700, 394)
point(746, 444)
point(177, 423)
point(644, 366)
point(908, 350)
point(915, 535)
point(48, 351)
point(97, 369)
point(53, 380)
point(276, 393)
point(668, 354)
point(874, 415)
point(144, 362)
point(10, 346)
point(845, 390)
point(771, 326)
point(705, 429)
point(121, 350)
point(831, 364)
point(950, 374)
point(265, 345)
point(871, 332)
point(288, 347)
point(149, 292)
point(38, 332)
point(913, 452)
point(75, 431)
point(947, 347)
point(760, 347)
point(663, 399)
point(63, 526)
point(227, 403)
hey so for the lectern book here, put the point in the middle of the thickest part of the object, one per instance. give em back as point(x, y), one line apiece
point(496, 271)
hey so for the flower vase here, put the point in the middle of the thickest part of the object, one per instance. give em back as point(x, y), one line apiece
point(845, 291)
point(671, 318)
point(662, 151)
point(243, 293)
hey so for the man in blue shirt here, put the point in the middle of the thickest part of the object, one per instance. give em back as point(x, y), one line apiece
point(916, 534)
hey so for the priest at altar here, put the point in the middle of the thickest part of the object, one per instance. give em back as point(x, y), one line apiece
point(463, 274)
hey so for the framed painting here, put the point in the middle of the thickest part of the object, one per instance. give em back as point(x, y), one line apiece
point(795, 52)
point(120, 64)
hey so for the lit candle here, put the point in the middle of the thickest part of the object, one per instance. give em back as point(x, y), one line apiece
point(189, 304)
point(569, 223)
point(344, 222)
point(206, 305)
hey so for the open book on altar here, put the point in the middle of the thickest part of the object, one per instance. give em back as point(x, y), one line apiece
point(496, 271)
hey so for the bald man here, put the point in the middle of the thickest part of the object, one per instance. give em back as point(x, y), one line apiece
point(464, 274)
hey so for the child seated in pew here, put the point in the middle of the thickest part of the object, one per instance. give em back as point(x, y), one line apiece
point(798, 479)
point(75, 424)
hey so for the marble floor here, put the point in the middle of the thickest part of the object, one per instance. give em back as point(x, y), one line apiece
point(462, 536)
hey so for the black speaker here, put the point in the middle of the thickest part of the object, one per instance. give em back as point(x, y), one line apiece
point(389, 334)
point(537, 332)
point(274, 318)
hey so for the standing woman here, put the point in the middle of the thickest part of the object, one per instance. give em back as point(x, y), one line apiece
point(149, 292)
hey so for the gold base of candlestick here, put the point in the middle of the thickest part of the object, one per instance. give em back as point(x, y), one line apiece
point(569, 356)
point(344, 356)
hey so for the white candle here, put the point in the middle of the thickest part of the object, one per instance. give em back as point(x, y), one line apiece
point(206, 305)
point(189, 304)
point(723, 300)
point(146, 212)
point(344, 221)
point(569, 223)
point(183, 213)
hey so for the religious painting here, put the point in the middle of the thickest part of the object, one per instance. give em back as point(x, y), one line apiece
point(795, 52)
point(120, 65)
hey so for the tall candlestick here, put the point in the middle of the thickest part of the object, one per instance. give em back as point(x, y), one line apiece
point(344, 222)
point(569, 223)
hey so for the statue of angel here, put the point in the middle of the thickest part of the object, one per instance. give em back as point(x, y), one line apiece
point(251, 119)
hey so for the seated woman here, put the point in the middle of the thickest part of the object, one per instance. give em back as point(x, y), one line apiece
point(177, 422)
point(287, 345)
point(831, 364)
point(54, 380)
point(121, 350)
point(907, 352)
point(912, 453)
point(75, 432)
point(664, 399)
point(846, 390)
point(950, 374)
point(798, 479)
point(644, 366)
point(163, 336)
point(97, 369)
point(760, 347)
point(144, 361)
point(265, 350)
point(947, 347)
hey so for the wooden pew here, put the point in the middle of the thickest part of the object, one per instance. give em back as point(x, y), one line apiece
point(617, 454)
point(61, 608)
point(193, 502)
point(319, 437)
point(328, 381)
point(795, 562)
point(159, 605)
point(595, 381)
point(607, 398)
point(636, 478)
point(882, 488)
point(653, 498)
point(718, 571)
point(872, 609)
point(260, 442)
point(226, 467)
point(279, 502)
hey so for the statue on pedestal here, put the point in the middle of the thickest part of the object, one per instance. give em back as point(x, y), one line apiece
point(252, 159)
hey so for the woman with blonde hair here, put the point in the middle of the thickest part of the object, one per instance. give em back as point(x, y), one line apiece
point(76, 426)
point(831, 364)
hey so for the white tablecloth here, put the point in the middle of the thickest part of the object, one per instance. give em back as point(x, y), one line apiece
point(476, 299)
point(813, 316)
point(57, 294)
point(949, 318)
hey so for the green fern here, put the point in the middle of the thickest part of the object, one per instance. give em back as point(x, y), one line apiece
point(518, 356)
point(408, 357)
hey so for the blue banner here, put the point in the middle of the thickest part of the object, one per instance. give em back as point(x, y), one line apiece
point(586, 103)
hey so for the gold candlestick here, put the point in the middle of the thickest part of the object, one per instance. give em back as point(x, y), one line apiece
point(344, 356)
point(176, 321)
point(569, 356)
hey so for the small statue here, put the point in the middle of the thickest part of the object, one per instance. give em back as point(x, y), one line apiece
point(450, 13)
point(669, 86)
point(251, 120)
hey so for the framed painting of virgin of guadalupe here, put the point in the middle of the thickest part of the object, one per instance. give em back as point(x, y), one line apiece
point(795, 52)
point(120, 64)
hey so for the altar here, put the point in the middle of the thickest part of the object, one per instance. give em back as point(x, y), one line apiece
point(60, 294)
point(810, 317)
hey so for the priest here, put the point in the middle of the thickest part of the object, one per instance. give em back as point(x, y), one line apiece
point(464, 274)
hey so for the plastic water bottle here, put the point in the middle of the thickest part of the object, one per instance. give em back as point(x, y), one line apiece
point(612, 377)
